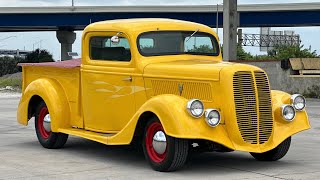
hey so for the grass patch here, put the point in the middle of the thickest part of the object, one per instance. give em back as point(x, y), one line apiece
point(13, 82)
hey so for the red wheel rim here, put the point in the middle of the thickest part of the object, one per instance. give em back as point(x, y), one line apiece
point(151, 131)
point(43, 112)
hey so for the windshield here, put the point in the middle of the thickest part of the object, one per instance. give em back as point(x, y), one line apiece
point(177, 42)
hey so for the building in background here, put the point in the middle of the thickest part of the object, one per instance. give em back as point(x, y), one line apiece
point(14, 53)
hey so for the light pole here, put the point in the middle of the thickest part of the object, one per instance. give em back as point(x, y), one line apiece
point(38, 42)
point(217, 19)
point(72, 3)
point(7, 38)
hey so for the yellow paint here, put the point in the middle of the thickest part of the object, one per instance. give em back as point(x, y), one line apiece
point(105, 107)
point(60, 90)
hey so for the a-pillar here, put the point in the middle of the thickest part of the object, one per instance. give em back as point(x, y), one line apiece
point(66, 39)
point(230, 25)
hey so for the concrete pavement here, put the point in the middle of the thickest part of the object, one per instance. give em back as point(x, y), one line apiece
point(22, 157)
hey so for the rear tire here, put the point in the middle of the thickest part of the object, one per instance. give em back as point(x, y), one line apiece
point(176, 150)
point(47, 139)
point(275, 154)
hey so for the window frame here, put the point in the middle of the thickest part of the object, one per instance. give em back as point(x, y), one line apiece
point(213, 40)
point(108, 60)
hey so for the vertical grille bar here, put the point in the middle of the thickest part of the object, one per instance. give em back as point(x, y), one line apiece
point(265, 110)
point(246, 105)
point(253, 129)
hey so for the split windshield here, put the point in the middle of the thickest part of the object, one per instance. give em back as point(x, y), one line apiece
point(177, 42)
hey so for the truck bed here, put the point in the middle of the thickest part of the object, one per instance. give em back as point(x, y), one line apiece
point(66, 73)
point(61, 64)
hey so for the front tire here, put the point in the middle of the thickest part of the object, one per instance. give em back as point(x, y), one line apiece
point(275, 154)
point(47, 139)
point(164, 153)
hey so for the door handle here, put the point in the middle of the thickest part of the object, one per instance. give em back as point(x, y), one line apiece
point(128, 79)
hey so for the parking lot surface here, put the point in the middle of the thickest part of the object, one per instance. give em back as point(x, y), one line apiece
point(22, 157)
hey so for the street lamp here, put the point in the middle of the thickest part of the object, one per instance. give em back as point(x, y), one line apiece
point(7, 38)
point(217, 18)
point(38, 42)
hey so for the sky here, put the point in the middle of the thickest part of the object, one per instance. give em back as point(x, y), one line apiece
point(47, 40)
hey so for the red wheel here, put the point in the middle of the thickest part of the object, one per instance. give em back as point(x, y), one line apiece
point(44, 114)
point(163, 152)
point(47, 139)
point(156, 142)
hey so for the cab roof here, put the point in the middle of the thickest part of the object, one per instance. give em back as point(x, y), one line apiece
point(146, 24)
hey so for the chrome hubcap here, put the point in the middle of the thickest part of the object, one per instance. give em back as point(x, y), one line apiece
point(47, 123)
point(159, 142)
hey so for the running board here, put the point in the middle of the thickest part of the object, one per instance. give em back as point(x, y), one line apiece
point(94, 136)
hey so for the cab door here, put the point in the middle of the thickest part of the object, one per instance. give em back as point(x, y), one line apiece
point(107, 82)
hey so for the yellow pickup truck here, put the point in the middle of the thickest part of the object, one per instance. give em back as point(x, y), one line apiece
point(162, 84)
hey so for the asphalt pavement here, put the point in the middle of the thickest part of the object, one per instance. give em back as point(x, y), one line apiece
point(22, 157)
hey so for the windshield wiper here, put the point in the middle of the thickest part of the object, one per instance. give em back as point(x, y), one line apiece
point(192, 35)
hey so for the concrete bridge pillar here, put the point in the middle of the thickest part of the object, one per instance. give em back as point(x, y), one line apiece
point(230, 25)
point(66, 39)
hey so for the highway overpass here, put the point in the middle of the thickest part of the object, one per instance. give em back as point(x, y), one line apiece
point(65, 20)
point(76, 18)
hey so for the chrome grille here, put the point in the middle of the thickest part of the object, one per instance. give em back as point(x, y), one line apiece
point(265, 110)
point(245, 102)
point(253, 129)
point(191, 90)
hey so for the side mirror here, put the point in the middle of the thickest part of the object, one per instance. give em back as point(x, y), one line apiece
point(115, 39)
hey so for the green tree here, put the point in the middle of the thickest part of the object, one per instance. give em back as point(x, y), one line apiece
point(39, 55)
point(262, 57)
point(241, 53)
point(8, 65)
point(201, 49)
point(288, 51)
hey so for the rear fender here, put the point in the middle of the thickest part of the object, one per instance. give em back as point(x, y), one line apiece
point(53, 95)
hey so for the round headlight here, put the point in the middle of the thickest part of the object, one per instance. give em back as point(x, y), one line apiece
point(288, 112)
point(298, 102)
point(212, 117)
point(195, 107)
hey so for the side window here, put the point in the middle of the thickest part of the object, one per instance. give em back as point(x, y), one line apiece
point(198, 44)
point(146, 44)
point(101, 48)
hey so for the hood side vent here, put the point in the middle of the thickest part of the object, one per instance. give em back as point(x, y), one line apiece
point(188, 90)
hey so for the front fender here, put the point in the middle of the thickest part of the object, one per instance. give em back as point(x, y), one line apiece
point(176, 121)
point(53, 95)
point(283, 129)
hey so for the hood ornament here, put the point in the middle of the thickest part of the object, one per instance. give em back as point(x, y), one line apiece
point(180, 86)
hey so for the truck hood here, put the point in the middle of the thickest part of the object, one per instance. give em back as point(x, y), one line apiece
point(187, 69)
